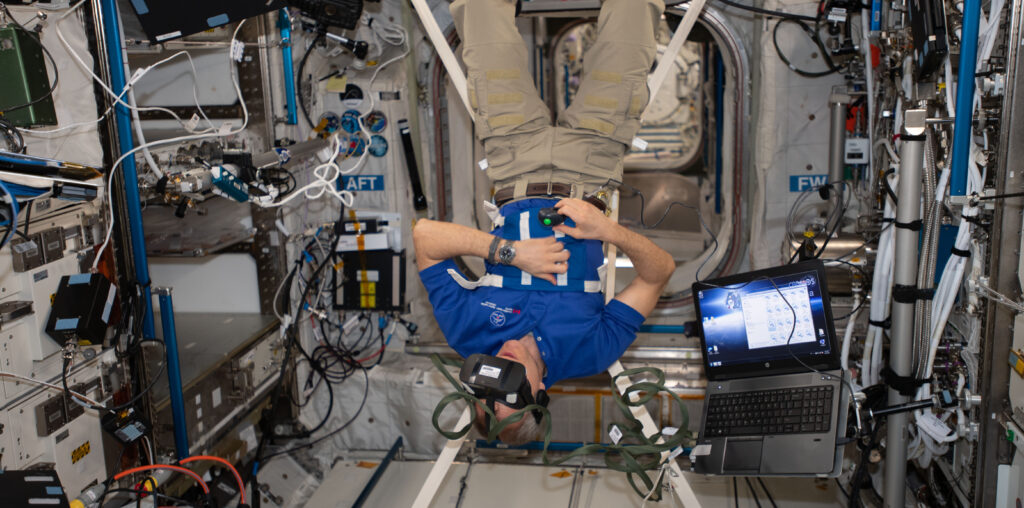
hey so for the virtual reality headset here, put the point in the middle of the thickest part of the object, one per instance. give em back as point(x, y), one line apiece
point(494, 379)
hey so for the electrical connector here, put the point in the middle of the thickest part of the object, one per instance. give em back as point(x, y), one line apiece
point(409, 326)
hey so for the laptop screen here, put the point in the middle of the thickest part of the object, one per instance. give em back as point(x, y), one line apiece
point(754, 323)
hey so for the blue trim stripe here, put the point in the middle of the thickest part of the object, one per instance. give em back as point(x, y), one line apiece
point(81, 278)
point(140, 7)
point(218, 20)
point(66, 324)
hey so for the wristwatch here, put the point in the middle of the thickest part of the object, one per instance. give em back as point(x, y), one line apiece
point(507, 253)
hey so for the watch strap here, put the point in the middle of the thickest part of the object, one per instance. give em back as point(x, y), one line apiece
point(493, 249)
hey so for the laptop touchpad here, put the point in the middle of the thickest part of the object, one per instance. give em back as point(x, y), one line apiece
point(742, 456)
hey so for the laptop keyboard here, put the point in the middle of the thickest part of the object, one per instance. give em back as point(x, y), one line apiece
point(786, 411)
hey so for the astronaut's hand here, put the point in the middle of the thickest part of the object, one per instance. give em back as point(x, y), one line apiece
point(591, 224)
point(541, 257)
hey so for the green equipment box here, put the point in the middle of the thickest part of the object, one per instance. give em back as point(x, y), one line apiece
point(24, 79)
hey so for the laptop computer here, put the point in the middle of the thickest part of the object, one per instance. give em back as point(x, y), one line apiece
point(765, 413)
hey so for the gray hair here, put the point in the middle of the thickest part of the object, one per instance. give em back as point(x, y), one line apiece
point(527, 430)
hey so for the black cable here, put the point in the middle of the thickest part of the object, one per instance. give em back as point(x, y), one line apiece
point(796, 252)
point(813, 34)
point(767, 492)
point(750, 486)
point(12, 136)
point(291, 340)
point(847, 263)
point(133, 400)
point(862, 300)
point(10, 227)
point(735, 493)
point(28, 216)
point(863, 244)
point(767, 12)
point(841, 489)
point(302, 70)
point(840, 213)
point(875, 395)
point(789, 346)
point(383, 345)
point(366, 394)
point(313, 364)
point(997, 196)
point(835, 218)
point(56, 73)
point(887, 187)
point(700, 216)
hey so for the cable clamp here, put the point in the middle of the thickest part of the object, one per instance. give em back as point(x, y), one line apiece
point(902, 293)
point(885, 323)
point(905, 385)
point(964, 253)
point(913, 226)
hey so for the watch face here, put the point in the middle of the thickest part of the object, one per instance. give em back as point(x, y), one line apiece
point(506, 254)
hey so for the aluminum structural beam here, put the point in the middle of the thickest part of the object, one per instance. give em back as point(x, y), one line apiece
point(837, 104)
point(901, 354)
point(117, 63)
point(964, 122)
point(175, 388)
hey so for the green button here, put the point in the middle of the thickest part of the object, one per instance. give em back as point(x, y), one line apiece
point(547, 222)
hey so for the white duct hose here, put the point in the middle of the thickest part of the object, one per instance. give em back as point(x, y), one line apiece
point(141, 137)
point(844, 358)
point(881, 291)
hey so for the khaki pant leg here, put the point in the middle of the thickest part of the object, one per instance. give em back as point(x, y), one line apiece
point(511, 119)
point(595, 131)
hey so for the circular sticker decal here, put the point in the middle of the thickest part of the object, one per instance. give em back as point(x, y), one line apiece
point(352, 146)
point(376, 121)
point(352, 97)
point(378, 146)
point(350, 121)
point(331, 122)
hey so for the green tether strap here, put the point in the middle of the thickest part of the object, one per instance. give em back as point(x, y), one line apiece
point(644, 454)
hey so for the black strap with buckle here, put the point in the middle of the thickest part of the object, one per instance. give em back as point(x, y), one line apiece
point(550, 190)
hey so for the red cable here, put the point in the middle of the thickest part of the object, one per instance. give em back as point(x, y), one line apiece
point(197, 478)
point(371, 357)
point(238, 477)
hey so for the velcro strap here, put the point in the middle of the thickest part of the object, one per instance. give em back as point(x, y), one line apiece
point(885, 323)
point(906, 385)
point(913, 226)
point(912, 137)
point(964, 253)
point(910, 294)
point(973, 219)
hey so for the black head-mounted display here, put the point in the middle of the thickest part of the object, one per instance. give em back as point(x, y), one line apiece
point(494, 379)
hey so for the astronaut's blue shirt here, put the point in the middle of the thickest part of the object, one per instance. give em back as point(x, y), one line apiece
point(576, 333)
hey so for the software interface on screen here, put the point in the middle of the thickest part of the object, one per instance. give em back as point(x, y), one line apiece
point(752, 322)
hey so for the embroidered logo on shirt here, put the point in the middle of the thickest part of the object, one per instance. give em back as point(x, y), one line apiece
point(497, 318)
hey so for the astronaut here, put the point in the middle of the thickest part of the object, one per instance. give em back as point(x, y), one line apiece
point(540, 302)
